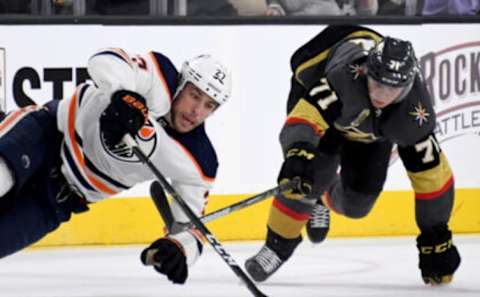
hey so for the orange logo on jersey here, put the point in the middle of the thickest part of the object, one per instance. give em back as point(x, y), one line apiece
point(146, 132)
point(146, 139)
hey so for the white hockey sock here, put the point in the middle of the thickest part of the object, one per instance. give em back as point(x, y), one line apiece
point(6, 177)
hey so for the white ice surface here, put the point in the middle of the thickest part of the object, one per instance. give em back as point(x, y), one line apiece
point(385, 267)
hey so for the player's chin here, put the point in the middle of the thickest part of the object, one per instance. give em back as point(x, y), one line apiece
point(185, 126)
point(379, 103)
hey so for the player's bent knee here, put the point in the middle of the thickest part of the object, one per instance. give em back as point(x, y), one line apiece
point(358, 205)
point(355, 212)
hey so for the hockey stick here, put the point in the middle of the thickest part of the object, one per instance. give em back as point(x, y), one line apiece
point(193, 218)
point(158, 196)
point(162, 205)
point(249, 201)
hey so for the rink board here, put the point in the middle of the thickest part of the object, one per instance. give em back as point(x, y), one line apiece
point(135, 220)
point(245, 131)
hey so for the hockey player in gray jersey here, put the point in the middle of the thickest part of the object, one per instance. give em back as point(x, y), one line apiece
point(354, 94)
point(57, 158)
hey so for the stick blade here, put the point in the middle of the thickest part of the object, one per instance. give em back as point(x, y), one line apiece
point(161, 202)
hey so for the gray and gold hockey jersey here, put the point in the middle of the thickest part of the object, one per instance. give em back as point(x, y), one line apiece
point(329, 92)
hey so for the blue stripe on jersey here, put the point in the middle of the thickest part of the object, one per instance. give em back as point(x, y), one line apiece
point(78, 139)
point(169, 71)
point(74, 169)
point(95, 170)
point(81, 93)
point(102, 175)
point(199, 145)
point(113, 54)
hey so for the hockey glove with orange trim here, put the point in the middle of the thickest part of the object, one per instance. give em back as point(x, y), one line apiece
point(299, 163)
point(439, 258)
point(168, 257)
point(126, 113)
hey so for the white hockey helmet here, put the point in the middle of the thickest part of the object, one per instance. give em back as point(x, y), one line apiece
point(209, 75)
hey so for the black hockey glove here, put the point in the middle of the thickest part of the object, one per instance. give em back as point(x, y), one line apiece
point(126, 113)
point(439, 258)
point(168, 258)
point(299, 162)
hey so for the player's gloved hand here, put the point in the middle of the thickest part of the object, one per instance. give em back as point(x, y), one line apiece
point(298, 164)
point(126, 113)
point(439, 258)
point(168, 258)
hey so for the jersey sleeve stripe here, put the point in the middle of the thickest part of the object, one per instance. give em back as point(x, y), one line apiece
point(285, 221)
point(77, 152)
point(323, 55)
point(95, 171)
point(290, 212)
point(74, 169)
point(309, 63)
point(194, 162)
point(197, 234)
point(161, 77)
point(365, 34)
point(119, 53)
point(102, 175)
point(436, 194)
point(83, 88)
point(305, 112)
point(9, 122)
point(431, 183)
point(292, 121)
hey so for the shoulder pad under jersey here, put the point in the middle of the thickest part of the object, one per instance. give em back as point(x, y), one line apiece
point(412, 119)
point(197, 143)
point(309, 61)
point(169, 71)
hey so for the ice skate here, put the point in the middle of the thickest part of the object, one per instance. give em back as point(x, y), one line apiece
point(273, 254)
point(319, 223)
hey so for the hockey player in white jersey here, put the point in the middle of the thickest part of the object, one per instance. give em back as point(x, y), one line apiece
point(57, 158)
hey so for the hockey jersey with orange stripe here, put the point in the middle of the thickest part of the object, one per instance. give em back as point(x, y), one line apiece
point(188, 160)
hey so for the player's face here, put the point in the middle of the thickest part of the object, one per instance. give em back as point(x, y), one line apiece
point(191, 107)
point(382, 95)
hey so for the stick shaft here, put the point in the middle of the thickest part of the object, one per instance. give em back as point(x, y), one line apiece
point(247, 202)
point(195, 220)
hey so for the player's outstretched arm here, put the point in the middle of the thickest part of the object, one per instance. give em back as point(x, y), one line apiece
point(169, 255)
point(432, 180)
